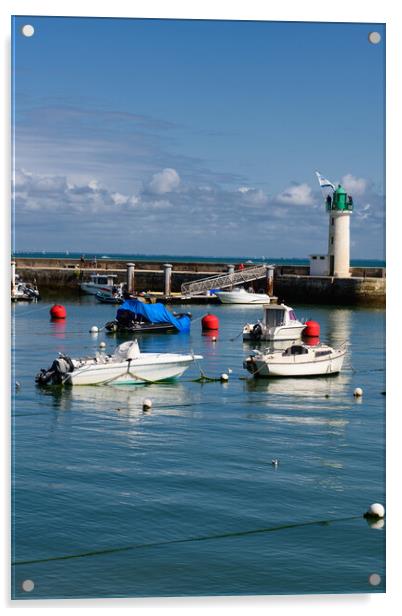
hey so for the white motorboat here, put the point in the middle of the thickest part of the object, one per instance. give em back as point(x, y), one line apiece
point(126, 366)
point(279, 322)
point(239, 295)
point(104, 283)
point(23, 291)
point(297, 360)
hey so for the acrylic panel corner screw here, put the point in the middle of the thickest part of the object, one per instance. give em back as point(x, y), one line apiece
point(28, 30)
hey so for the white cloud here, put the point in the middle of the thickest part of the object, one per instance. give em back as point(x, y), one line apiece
point(165, 181)
point(354, 186)
point(253, 196)
point(119, 199)
point(48, 207)
point(298, 194)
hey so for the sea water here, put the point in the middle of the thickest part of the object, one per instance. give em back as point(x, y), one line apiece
point(112, 501)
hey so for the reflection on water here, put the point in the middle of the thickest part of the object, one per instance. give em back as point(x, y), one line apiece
point(339, 326)
point(303, 387)
point(58, 327)
point(127, 400)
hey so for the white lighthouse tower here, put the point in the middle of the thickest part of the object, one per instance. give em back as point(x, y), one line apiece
point(339, 209)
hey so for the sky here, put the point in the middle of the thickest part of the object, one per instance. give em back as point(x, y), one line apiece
point(195, 137)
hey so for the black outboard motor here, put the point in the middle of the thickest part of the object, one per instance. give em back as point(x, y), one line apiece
point(257, 332)
point(57, 373)
point(111, 326)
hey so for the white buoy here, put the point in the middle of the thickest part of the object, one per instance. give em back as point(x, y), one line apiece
point(147, 404)
point(213, 338)
point(376, 510)
point(275, 462)
point(102, 345)
point(230, 370)
point(94, 329)
point(224, 377)
point(358, 392)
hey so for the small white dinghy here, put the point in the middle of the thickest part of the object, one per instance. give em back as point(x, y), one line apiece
point(239, 295)
point(127, 366)
point(296, 360)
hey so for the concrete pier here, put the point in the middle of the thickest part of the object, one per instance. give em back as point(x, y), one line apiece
point(291, 283)
point(330, 290)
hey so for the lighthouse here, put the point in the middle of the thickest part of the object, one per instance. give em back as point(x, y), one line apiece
point(339, 208)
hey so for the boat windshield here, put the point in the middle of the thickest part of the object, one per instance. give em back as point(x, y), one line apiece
point(296, 350)
point(275, 317)
point(292, 316)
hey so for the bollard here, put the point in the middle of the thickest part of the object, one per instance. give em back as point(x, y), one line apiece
point(269, 278)
point(168, 278)
point(231, 270)
point(131, 278)
point(13, 276)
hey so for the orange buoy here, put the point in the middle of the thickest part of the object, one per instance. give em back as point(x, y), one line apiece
point(312, 329)
point(209, 321)
point(58, 312)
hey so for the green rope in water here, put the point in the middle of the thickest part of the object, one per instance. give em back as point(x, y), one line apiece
point(186, 540)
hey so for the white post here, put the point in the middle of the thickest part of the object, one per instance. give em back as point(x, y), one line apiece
point(168, 279)
point(13, 277)
point(270, 280)
point(231, 269)
point(130, 277)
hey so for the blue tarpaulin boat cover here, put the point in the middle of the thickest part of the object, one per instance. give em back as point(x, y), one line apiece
point(155, 313)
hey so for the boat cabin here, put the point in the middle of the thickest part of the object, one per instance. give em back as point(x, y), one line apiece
point(275, 316)
point(103, 279)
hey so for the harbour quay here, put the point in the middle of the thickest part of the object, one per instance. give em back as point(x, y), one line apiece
point(291, 283)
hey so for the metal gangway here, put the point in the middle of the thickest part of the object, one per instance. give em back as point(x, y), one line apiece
point(222, 281)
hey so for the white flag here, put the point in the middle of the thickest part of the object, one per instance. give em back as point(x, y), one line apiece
point(324, 183)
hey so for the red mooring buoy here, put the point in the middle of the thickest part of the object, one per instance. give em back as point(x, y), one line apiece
point(312, 340)
point(312, 329)
point(58, 312)
point(209, 321)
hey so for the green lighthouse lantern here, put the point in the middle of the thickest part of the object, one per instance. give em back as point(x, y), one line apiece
point(340, 202)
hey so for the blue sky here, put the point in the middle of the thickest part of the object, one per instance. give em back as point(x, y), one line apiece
point(195, 137)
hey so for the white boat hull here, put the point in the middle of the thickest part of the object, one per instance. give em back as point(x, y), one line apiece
point(267, 366)
point(275, 333)
point(93, 289)
point(235, 297)
point(151, 369)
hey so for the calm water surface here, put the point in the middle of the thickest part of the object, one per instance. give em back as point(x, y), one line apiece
point(109, 501)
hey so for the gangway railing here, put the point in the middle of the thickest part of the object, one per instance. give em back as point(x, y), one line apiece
point(222, 281)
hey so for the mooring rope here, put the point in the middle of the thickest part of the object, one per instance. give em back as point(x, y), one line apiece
point(157, 544)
